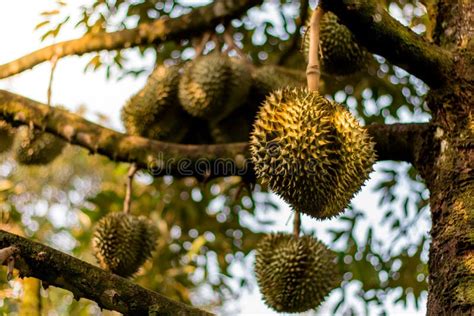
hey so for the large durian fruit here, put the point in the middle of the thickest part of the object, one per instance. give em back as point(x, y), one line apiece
point(36, 147)
point(154, 112)
point(213, 86)
point(7, 136)
point(269, 78)
point(310, 151)
point(295, 274)
point(123, 242)
point(341, 54)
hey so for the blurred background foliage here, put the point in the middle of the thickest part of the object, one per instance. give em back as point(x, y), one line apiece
point(208, 231)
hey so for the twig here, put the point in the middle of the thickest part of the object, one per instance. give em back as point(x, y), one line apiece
point(229, 40)
point(6, 253)
point(202, 44)
point(297, 224)
point(128, 193)
point(313, 71)
point(54, 63)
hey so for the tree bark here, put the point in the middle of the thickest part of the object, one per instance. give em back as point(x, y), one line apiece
point(447, 165)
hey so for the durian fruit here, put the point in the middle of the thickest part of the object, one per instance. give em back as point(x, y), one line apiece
point(234, 128)
point(214, 85)
point(270, 78)
point(37, 148)
point(154, 111)
point(123, 242)
point(310, 151)
point(7, 136)
point(341, 54)
point(295, 274)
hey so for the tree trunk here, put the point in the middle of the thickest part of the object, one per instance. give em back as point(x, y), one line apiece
point(447, 164)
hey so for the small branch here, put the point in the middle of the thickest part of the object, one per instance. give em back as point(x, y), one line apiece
point(393, 142)
point(84, 280)
point(381, 34)
point(297, 224)
point(313, 71)
point(6, 253)
point(128, 193)
point(54, 63)
point(159, 31)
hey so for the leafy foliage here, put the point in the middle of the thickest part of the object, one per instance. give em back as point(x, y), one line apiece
point(207, 229)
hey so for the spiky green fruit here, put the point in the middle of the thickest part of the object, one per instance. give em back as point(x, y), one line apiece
point(270, 78)
point(37, 147)
point(154, 112)
point(7, 136)
point(341, 54)
point(295, 274)
point(214, 85)
point(122, 242)
point(310, 151)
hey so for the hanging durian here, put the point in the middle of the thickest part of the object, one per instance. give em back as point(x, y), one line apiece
point(310, 151)
point(295, 274)
point(341, 54)
point(35, 147)
point(154, 111)
point(123, 242)
point(270, 78)
point(213, 86)
point(7, 136)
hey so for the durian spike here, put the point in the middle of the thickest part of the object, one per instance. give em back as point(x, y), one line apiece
point(313, 71)
point(128, 193)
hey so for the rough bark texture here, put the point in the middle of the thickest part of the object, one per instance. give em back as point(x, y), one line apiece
point(447, 164)
point(393, 142)
point(84, 280)
point(381, 34)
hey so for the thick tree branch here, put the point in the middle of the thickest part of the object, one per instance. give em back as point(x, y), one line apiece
point(87, 281)
point(393, 142)
point(381, 34)
point(159, 31)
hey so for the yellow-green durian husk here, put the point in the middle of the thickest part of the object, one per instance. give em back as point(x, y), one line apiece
point(310, 151)
point(123, 242)
point(154, 112)
point(295, 274)
point(37, 147)
point(341, 54)
point(270, 78)
point(7, 136)
point(214, 85)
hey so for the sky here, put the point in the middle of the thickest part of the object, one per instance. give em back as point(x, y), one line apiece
point(72, 89)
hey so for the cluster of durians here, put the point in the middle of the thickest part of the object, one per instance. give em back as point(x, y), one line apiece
point(214, 92)
point(313, 153)
point(30, 146)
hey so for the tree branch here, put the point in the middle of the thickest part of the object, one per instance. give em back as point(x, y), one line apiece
point(381, 34)
point(159, 31)
point(393, 142)
point(84, 280)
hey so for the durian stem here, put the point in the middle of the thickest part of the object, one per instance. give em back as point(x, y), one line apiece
point(229, 40)
point(128, 193)
point(313, 70)
point(297, 224)
point(202, 44)
point(54, 63)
